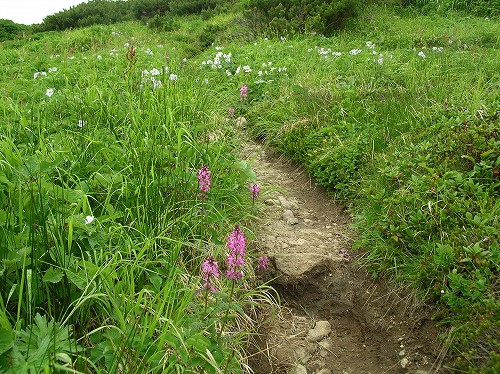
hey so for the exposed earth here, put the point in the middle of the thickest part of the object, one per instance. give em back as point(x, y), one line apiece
point(334, 317)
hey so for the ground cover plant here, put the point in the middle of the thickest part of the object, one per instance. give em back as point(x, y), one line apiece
point(124, 206)
point(119, 193)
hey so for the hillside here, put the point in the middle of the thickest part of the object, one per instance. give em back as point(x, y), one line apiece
point(128, 217)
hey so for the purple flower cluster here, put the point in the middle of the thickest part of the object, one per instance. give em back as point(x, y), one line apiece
point(243, 92)
point(204, 180)
point(236, 243)
point(262, 263)
point(209, 268)
point(231, 111)
point(254, 190)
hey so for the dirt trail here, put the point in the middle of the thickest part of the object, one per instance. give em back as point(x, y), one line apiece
point(335, 318)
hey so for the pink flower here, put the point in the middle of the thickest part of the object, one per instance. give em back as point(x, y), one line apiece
point(231, 111)
point(204, 180)
point(236, 243)
point(243, 92)
point(209, 268)
point(254, 190)
point(263, 261)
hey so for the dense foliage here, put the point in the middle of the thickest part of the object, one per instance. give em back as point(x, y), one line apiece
point(10, 30)
point(476, 7)
point(291, 16)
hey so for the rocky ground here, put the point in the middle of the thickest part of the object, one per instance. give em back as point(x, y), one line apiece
point(334, 318)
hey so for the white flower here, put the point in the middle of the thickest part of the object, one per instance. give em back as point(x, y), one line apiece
point(52, 70)
point(238, 69)
point(167, 69)
point(421, 54)
point(71, 57)
point(81, 123)
point(89, 220)
point(149, 52)
point(126, 45)
point(246, 69)
point(173, 77)
point(156, 82)
point(336, 54)
point(260, 73)
point(49, 92)
point(39, 73)
point(354, 52)
point(155, 72)
point(370, 45)
point(99, 57)
point(380, 60)
point(228, 73)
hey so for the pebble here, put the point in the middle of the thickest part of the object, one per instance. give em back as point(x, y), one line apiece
point(404, 362)
point(321, 330)
point(324, 371)
point(402, 353)
point(289, 218)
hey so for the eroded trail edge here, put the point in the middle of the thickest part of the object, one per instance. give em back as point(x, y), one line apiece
point(335, 318)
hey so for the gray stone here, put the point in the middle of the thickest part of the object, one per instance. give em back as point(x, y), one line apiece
point(404, 362)
point(321, 330)
point(289, 218)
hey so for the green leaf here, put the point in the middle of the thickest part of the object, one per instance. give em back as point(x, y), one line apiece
point(53, 275)
point(6, 340)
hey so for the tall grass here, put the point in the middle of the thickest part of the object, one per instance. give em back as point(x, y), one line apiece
point(102, 228)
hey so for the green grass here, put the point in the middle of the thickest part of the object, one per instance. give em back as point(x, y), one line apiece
point(409, 143)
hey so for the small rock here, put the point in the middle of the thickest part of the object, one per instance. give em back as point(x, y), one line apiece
point(302, 355)
point(404, 362)
point(321, 330)
point(402, 353)
point(240, 121)
point(289, 218)
point(324, 371)
point(299, 369)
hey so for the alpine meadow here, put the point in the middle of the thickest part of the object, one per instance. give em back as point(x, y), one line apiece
point(128, 218)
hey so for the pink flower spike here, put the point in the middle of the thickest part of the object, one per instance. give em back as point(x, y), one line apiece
point(209, 268)
point(236, 242)
point(204, 175)
point(243, 92)
point(254, 190)
point(263, 261)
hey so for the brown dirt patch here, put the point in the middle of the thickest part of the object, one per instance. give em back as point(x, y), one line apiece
point(367, 326)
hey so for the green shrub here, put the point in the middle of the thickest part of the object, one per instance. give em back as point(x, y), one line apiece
point(10, 30)
point(291, 16)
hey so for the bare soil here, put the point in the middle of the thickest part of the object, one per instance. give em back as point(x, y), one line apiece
point(365, 325)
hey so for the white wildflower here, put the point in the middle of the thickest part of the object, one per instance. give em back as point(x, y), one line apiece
point(421, 54)
point(38, 74)
point(354, 52)
point(81, 123)
point(173, 77)
point(52, 70)
point(89, 220)
point(49, 92)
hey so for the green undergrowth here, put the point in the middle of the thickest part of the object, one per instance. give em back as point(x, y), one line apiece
point(399, 119)
point(103, 226)
point(104, 131)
